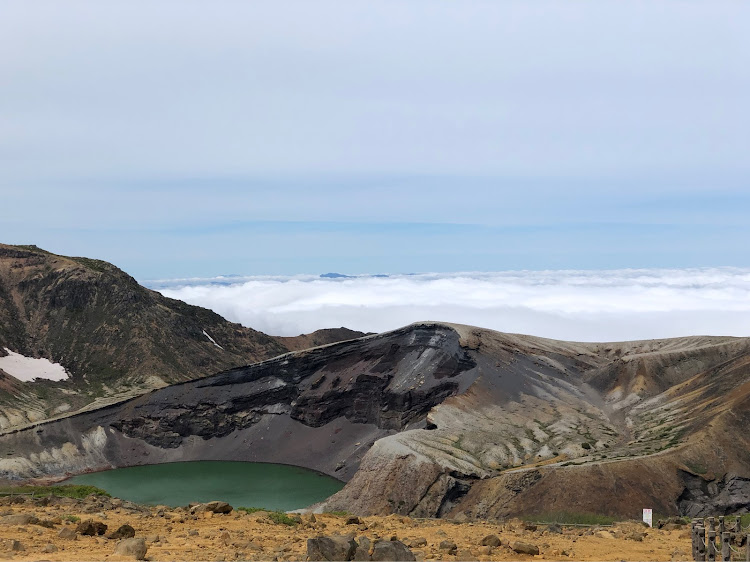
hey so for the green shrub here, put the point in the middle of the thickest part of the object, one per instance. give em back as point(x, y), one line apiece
point(71, 518)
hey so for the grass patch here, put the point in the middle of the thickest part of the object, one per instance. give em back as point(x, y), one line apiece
point(339, 513)
point(281, 518)
point(250, 509)
point(278, 517)
point(71, 518)
point(64, 491)
point(571, 518)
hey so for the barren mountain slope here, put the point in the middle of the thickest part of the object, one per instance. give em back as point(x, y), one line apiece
point(114, 337)
point(445, 420)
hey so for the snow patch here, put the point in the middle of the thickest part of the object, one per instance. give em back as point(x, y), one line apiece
point(213, 341)
point(27, 369)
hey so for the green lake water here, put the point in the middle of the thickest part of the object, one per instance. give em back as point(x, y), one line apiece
point(242, 484)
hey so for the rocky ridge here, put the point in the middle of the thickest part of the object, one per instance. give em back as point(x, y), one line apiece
point(115, 338)
point(438, 420)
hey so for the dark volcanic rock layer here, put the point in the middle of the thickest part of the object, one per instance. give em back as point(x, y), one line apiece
point(446, 420)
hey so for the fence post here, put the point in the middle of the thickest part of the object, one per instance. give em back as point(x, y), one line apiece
point(747, 548)
point(711, 546)
point(694, 538)
point(726, 552)
point(721, 525)
point(701, 545)
point(711, 523)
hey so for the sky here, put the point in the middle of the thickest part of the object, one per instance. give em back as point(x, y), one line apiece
point(192, 138)
point(185, 138)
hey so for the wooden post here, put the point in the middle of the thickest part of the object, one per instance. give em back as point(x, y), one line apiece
point(694, 538)
point(726, 552)
point(747, 548)
point(721, 526)
point(711, 523)
point(711, 546)
point(701, 531)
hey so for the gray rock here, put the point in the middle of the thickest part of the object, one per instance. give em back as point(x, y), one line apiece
point(19, 519)
point(217, 507)
point(448, 546)
point(525, 548)
point(49, 548)
point(363, 549)
point(335, 547)
point(91, 528)
point(16, 546)
point(132, 547)
point(418, 542)
point(392, 550)
point(67, 533)
point(123, 532)
point(353, 520)
point(491, 540)
point(554, 529)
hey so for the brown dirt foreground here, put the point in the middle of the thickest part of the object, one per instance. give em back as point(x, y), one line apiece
point(176, 534)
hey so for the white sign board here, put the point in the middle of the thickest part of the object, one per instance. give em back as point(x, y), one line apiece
point(648, 517)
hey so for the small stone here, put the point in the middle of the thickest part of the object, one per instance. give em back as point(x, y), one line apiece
point(604, 535)
point(491, 540)
point(16, 546)
point(448, 546)
point(554, 529)
point(485, 550)
point(525, 548)
point(353, 520)
point(67, 533)
point(123, 532)
point(91, 528)
point(418, 542)
point(132, 547)
point(49, 548)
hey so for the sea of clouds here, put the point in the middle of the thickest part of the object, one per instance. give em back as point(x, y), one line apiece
point(610, 305)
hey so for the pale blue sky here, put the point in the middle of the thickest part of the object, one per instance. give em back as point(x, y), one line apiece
point(180, 138)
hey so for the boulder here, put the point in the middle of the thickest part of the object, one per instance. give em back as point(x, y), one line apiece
point(123, 532)
point(132, 547)
point(217, 507)
point(525, 548)
point(91, 528)
point(392, 550)
point(491, 540)
point(335, 547)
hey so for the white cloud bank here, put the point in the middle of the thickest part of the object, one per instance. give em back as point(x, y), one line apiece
point(570, 305)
